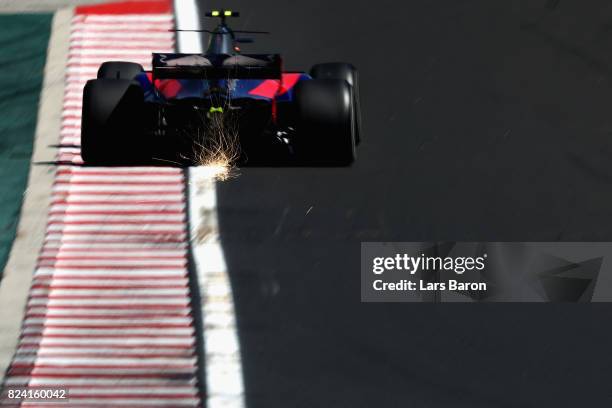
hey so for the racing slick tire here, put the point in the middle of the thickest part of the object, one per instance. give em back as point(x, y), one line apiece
point(112, 122)
point(119, 70)
point(342, 70)
point(325, 112)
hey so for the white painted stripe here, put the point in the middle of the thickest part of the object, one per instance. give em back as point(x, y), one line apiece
point(224, 378)
point(135, 18)
point(104, 361)
point(112, 382)
point(110, 259)
point(102, 227)
point(74, 199)
point(125, 238)
point(188, 18)
point(105, 321)
point(121, 170)
point(103, 284)
point(84, 35)
point(106, 246)
point(81, 56)
point(108, 292)
point(75, 208)
point(123, 332)
point(121, 45)
point(127, 352)
point(91, 72)
point(122, 26)
point(133, 391)
point(143, 218)
point(76, 188)
point(127, 302)
point(93, 273)
point(110, 342)
point(106, 312)
point(117, 177)
point(87, 402)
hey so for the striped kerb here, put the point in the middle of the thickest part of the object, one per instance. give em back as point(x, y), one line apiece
point(109, 314)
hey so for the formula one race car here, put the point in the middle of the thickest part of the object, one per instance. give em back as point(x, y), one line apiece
point(187, 100)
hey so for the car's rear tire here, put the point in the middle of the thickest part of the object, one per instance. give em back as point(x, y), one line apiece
point(119, 70)
point(342, 70)
point(325, 113)
point(112, 130)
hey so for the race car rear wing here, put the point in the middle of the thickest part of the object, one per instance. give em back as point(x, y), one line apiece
point(217, 66)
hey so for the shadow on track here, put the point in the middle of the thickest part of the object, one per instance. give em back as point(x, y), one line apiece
point(476, 127)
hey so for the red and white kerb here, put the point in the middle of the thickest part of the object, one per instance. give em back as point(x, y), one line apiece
point(109, 314)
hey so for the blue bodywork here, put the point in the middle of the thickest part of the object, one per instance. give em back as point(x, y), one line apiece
point(261, 89)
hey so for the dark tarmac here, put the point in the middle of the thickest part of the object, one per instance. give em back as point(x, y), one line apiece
point(482, 121)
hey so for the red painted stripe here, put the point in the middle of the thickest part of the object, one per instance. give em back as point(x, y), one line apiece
point(69, 212)
point(72, 117)
point(78, 33)
point(113, 327)
point(120, 251)
point(109, 287)
point(102, 287)
point(113, 346)
point(125, 240)
point(104, 405)
point(112, 306)
point(160, 374)
point(58, 265)
point(81, 24)
point(63, 201)
point(126, 396)
point(80, 172)
point(128, 7)
point(145, 57)
point(104, 296)
point(96, 65)
point(153, 45)
point(105, 353)
point(96, 28)
point(120, 193)
point(71, 385)
point(105, 258)
point(121, 233)
point(59, 367)
point(108, 336)
point(102, 221)
point(109, 316)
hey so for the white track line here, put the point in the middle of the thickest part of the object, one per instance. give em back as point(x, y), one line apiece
point(224, 377)
point(188, 18)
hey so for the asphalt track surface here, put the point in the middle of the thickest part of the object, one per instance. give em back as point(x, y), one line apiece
point(483, 121)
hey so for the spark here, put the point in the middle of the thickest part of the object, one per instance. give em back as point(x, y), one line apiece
point(216, 146)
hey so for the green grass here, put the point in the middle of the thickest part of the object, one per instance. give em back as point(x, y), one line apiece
point(23, 51)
